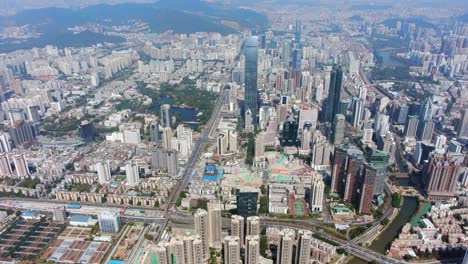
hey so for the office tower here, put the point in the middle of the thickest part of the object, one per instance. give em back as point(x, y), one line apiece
point(5, 167)
point(109, 222)
point(441, 174)
point(358, 109)
point(367, 191)
point(60, 214)
point(202, 229)
point(303, 247)
point(316, 194)
point(21, 166)
point(214, 224)
point(401, 115)
point(346, 169)
point(260, 144)
point(285, 247)
point(289, 135)
point(247, 200)
point(155, 134)
point(253, 226)
point(162, 254)
point(167, 138)
point(334, 93)
point(297, 59)
point(298, 32)
point(462, 131)
point(426, 125)
point(103, 172)
point(252, 249)
point(251, 62)
point(381, 124)
point(87, 131)
point(22, 132)
point(232, 250)
point(5, 143)
point(455, 146)
point(249, 127)
point(441, 142)
point(166, 119)
point(338, 129)
point(308, 115)
point(132, 174)
point(238, 227)
point(411, 127)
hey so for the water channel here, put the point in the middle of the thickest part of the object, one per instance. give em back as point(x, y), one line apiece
point(408, 209)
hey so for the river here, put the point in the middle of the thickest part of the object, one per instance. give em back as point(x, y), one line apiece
point(408, 209)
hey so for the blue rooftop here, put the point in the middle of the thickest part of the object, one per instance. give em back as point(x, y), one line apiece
point(115, 262)
point(80, 218)
point(28, 213)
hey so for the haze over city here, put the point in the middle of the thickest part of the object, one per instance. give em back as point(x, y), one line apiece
point(233, 131)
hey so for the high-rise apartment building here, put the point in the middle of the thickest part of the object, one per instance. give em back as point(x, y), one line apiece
point(132, 174)
point(166, 118)
point(214, 224)
point(338, 129)
point(103, 172)
point(252, 249)
point(238, 227)
point(253, 226)
point(232, 248)
point(286, 247)
point(109, 222)
point(202, 230)
point(441, 174)
point(303, 247)
point(462, 131)
point(316, 194)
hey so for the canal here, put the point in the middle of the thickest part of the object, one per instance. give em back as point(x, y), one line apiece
point(407, 210)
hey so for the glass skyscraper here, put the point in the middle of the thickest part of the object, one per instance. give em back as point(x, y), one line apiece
point(334, 93)
point(251, 61)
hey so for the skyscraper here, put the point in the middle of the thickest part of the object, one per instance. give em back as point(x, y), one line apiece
point(285, 247)
point(252, 249)
point(231, 250)
point(251, 71)
point(303, 247)
point(21, 166)
point(334, 93)
point(346, 170)
point(358, 109)
point(5, 167)
point(238, 227)
point(411, 126)
point(214, 224)
point(260, 144)
point(316, 194)
point(109, 222)
point(247, 199)
point(202, 229)
point(103, 172)
point(132, 174)
point(166, 119)
point(253, 226)
point(462, 131)
point(367, 189)
point(298, 33)
point(426, 125)
point(167, 138)
point(155, 135)
point(441, 174)
point(338, 129)
point(87, 131)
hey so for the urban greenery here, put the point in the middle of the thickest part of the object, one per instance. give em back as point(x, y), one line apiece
point(396, 200)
